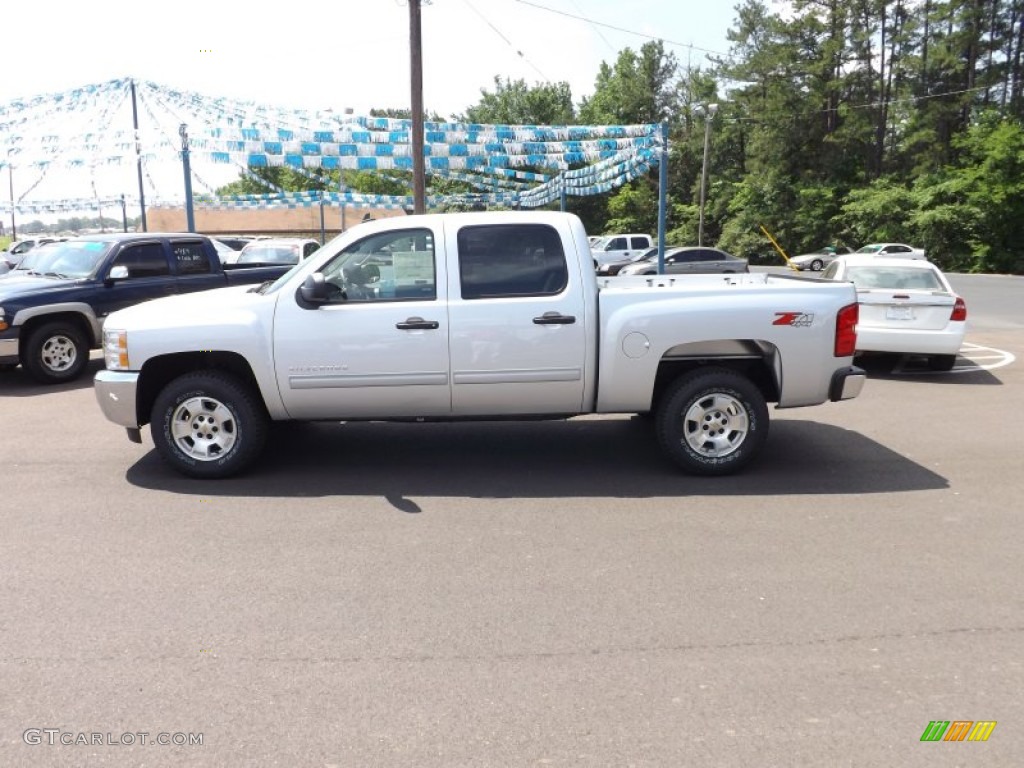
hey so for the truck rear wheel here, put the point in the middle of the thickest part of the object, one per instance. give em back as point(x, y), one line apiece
point(55, 352)
point(208, 425)
point(712, 421)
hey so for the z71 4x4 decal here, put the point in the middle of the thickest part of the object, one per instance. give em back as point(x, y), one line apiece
point(796, 319)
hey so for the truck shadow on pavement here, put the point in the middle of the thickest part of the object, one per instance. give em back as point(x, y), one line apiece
point(17, 382)
point(597, 457)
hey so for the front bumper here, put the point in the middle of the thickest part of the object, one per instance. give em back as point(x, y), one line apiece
point(9, 350)
point(846, 383)
point(116, 394)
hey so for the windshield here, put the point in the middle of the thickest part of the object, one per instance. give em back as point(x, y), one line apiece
point(870, 249)
point(36, 260)
point(75, 258)
point(651, 254)
point(269, 254)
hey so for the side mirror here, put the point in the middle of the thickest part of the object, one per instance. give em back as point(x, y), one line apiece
point(118, 272)
point(314, 289)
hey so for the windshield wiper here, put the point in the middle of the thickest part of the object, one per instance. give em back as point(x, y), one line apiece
point(261, 287)
point(54, 274)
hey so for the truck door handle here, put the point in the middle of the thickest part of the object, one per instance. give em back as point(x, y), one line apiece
point(417, 324)
point(554, 318)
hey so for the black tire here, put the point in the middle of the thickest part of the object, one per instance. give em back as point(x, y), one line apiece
point(712, 421)
point(941, 362)
point(816, 265)
point(208, 425)
point(55, 353)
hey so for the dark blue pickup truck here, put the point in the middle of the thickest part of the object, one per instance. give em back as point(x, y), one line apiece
point(52, 316)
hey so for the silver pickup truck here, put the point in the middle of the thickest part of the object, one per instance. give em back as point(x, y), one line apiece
point(476, 316)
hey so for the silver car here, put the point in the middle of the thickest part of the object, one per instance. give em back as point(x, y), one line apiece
point(688, 260)
point(817, 260)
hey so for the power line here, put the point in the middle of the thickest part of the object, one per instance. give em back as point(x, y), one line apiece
point(621, 29)
point(497, 31)
point(596, 28)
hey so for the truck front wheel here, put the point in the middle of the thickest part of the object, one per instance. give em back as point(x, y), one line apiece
point(55, 352)
point(208, 425)
point(712, 421)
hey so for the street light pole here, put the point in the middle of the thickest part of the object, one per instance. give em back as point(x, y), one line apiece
point(708, 117)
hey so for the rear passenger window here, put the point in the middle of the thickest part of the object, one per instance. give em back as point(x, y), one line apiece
point(511, 260)
point(640, 242)
point(143, 260)
point(191, 258)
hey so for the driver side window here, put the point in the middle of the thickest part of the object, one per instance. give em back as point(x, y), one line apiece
point(389, 266)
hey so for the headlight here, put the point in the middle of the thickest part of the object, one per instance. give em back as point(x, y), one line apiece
point(115, 349)
point(3, 320)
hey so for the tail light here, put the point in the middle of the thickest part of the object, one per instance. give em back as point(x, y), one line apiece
point(959, 310)
point(846, 330)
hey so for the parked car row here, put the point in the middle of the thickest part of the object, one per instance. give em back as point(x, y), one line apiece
point(818, 260)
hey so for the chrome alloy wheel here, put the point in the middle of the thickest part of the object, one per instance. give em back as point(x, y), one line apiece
point(203, 428)
point(716, 425)
point(58, 353)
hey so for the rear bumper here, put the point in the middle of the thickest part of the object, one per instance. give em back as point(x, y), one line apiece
point(115, 392)
point(846, 383)
point(945, 341)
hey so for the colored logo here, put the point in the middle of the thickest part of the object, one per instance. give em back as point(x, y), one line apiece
point(958, 730)
point(796, 319)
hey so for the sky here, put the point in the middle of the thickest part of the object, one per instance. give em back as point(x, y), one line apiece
point(341, 54)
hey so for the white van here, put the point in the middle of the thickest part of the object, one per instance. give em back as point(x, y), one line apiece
point(16, 250)
point(619, 247)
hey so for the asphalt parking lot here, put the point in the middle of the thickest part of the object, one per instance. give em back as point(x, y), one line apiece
point(527, 594)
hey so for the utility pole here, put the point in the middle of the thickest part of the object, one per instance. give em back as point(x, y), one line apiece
point(416, 57)
point(138, 158)
point(10, 177)
point(709, 115)
point(186, 165)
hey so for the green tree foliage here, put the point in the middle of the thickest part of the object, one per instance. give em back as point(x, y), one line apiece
point(970, 215)
point(639, 89)
point(516, 103)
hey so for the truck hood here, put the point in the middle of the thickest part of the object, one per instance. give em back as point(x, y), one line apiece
point(202, 308)
point(15, 285)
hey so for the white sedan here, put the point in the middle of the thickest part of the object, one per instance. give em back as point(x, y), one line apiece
point(892, 250)
point(906, 306)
